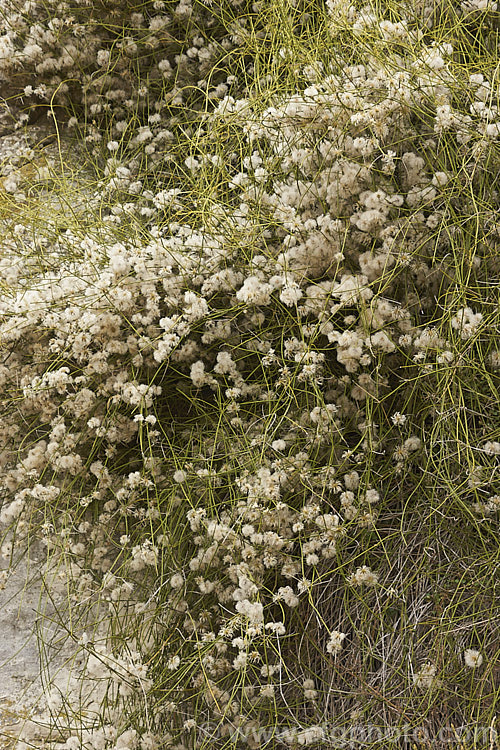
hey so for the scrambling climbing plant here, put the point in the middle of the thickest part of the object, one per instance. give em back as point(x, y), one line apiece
point(251, 377)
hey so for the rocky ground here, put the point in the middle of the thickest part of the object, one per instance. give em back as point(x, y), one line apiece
point(20, 674)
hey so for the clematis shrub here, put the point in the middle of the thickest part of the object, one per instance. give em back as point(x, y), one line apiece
point(251, 382)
